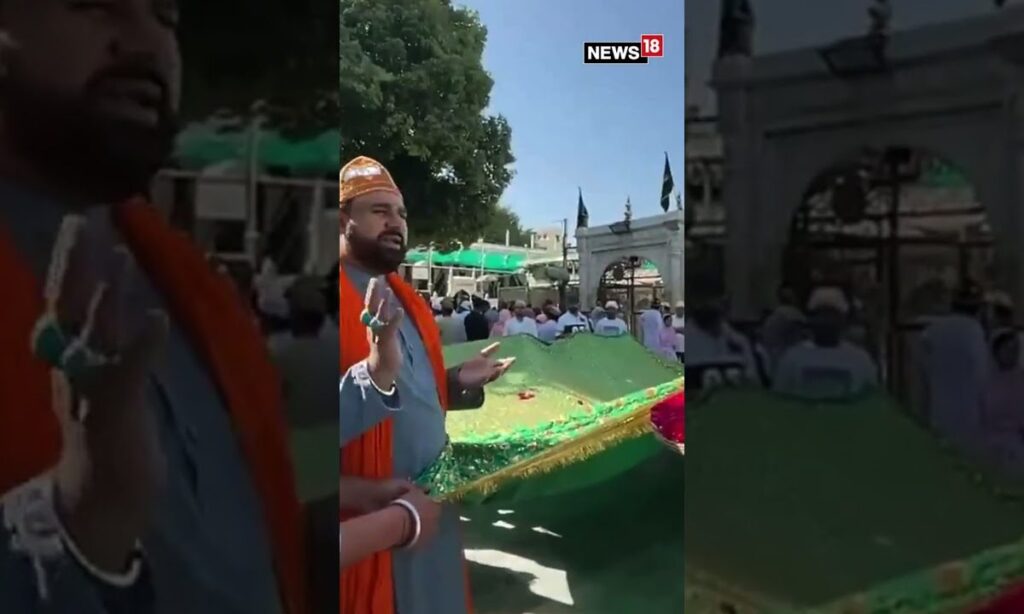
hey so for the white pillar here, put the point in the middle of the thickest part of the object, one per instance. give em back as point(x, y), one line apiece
point(738, 189)
point(587, 275)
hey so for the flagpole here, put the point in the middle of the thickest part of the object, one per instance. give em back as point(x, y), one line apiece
point(564, 286)
point(667, 185)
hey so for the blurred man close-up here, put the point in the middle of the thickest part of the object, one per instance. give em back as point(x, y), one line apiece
point(144, 457)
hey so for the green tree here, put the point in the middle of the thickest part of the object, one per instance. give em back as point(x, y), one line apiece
point(278, 54)
point(413, 94)
point(504, 219)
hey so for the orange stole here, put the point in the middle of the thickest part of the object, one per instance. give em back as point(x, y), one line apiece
point(368, 586)
point(225, 339)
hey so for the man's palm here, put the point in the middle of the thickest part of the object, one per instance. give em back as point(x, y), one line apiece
point(482, 369)
point(385, 349)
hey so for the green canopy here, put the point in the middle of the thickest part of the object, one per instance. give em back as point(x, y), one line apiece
point(940, 174)
point(202, 145)
point(470, 259)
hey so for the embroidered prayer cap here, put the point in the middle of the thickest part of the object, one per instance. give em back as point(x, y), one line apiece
point(364, 175)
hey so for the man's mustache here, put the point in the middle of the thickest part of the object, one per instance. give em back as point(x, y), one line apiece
point(395, 235)
point(131, 70)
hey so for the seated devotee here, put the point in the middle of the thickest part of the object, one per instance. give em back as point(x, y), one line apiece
point(610, 325)
point(826, 367)
point(573, 320)
point(718, 355)
point(548, 329)
point(523, 322)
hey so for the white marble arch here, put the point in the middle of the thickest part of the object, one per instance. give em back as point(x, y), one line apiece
point(953, 90)
point(658, 239)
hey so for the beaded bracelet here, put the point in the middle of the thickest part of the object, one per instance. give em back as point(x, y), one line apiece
point(370, 321)
point(62, 349)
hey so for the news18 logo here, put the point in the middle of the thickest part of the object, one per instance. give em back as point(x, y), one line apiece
point(650, 46)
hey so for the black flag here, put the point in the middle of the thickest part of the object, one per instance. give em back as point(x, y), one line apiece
point(582, 216)
point(667, 185)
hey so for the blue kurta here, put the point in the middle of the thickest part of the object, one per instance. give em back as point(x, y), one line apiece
point(208, 550)
point(429, 579)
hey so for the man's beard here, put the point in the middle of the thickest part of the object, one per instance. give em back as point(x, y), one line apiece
point(371, 253)
point(72, 142)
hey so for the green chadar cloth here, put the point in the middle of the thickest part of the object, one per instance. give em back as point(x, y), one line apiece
point(804, 507)
point(566, 416)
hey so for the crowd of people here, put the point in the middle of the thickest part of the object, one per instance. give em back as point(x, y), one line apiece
point(964, 365)
point(298, 320)
point(465, 318)
point(804, 351)
point(972, 378)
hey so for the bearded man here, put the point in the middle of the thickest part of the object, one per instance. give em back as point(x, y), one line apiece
point(144, 464)
point(394, 393)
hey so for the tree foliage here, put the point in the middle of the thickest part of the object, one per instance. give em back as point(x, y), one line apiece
point(413, 92)
point(504, 219)
point(278, 53)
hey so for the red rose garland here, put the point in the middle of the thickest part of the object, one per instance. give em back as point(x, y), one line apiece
point(669, 420)
point(1010, 601)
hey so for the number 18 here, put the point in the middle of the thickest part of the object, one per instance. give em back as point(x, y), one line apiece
point(652, 45)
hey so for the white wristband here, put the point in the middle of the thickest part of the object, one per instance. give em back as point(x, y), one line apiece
point(36, 530)
point(362, 378)
point(417, 523)
point(388, 393)
point(123, 579)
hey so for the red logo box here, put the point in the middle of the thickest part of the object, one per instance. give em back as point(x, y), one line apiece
point(652, 45)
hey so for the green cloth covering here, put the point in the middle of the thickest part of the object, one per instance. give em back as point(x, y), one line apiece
point(586, 387)
point(806, 504)
point(956, 585)
point(620, 543)
point(202, 145)
point(470, 259)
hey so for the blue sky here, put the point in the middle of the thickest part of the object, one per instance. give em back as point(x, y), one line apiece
point(604, 128)
point(783, 24)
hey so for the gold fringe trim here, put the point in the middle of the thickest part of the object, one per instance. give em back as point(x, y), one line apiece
point(707, 594)
point(677, 447)
point(631, 426)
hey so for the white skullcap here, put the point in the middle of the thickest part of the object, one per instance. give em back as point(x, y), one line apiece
point(828, 297)
point(611, 305)
point(1000, 299)
point(272, 296)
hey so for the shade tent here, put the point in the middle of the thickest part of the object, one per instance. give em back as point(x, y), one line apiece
point(201, 145)
point(469, 259)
